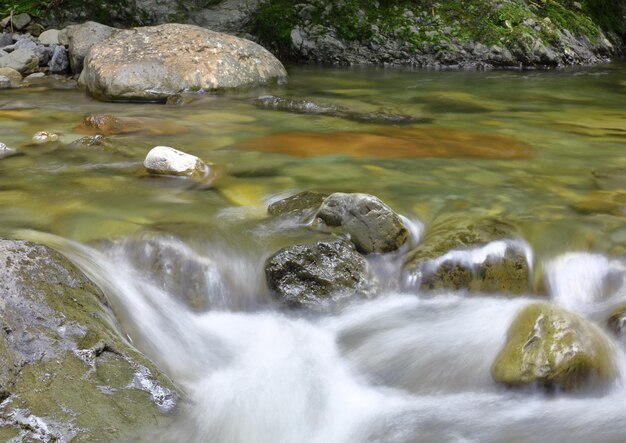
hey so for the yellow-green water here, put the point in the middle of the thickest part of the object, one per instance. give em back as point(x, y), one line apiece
point(573, 122)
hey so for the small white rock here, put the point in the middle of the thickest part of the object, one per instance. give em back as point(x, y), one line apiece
point(5, 151)
point(45, 137)
point(169, 161)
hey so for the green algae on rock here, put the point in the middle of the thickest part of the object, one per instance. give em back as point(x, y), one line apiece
point(553, 348)
point(301, 205)
point(66, 371)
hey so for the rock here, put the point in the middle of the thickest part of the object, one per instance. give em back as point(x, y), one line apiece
point(372, 226)
point(153, 63)
point(610, 179)
point(59, 63)
point(80, 38)
point(107, 124)
point(163, 160)
point(49, 37)
point(603, 202)
point(302, 205)
point(481, 255)
point(14, 76)
point(35, 75)
point(6, 39)
point(91, 142)
point(5, 82)
point(22, 60)
point(553, 348)
point(42, 137)
point(63, 365)
point(20, 21)
point(5, 151)
point(41, 52)
point(309, 107)
point(310, 275)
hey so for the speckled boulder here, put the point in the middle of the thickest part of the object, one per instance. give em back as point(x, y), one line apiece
point(153, 63)
point(553, 348)
point(313, 274)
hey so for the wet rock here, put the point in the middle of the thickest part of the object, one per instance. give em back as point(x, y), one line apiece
point(163, 160)
point(91, 142)
point(49, 37)
point(480, 256)
point(6, 151)
point(153, 63)
point(22, 60)
point(310, 275)
point(107, 124)
point(35, 75)
point(309, 107)
point(66, 372)
point(372, 226)
point(603, 202)
point(553, 348)
point(5, 82)
point(302, 205)
point(42, 137)
point(80, 38)
point(610, 179)
point(59, 62)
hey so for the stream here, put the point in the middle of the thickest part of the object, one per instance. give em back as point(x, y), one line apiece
point(182, 264)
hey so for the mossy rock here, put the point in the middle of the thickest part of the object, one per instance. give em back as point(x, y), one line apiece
point(434, 266)
point(301, 205)
point(553, 348)
point(66, 371)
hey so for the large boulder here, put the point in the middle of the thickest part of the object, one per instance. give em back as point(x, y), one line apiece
point(370, 223)
point(66, 373)
point(478, 256)
point(80, 38)
point(153, 63)
point(553, 348)
point(318, 273)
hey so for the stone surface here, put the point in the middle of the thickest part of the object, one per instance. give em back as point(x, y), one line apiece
point(6, 151)
point(80, 38)
point(163, 160)
point(65, 372)
point(301, 205)
point(20, 21)
point(6, 39)
point(299, 106)
point(370, 224)
point(311, 275)
point(153, 63)
point(5, 82)
point(42, 137)
point(49, 37)
point(552, 348)
point(12, 75)
point(59, 62)
point(22, 60)
point(107, 124)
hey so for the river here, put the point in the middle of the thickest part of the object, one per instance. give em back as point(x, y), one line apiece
point(545, 151)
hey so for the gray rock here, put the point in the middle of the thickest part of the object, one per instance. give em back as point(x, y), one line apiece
point(311, 275)
point(6, 39)
point(35, 75)
point(12, 75)
point(163, 160)
point(59, 61)
point(63, 363)
point(22, 60)
point(6, 151)
point(49, 37)
point(5, 82)
point(80, 38)
point(20, 21)
point(372, 226)
point(153, 63)
point(42, 53)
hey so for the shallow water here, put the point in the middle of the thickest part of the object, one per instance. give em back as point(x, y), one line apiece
point(401, 368)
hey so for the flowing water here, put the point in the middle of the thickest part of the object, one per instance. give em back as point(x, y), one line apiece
point(182, 265)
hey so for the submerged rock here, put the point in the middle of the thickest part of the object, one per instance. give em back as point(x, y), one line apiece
point(309, 107)
point(552, 348)
point(301, 205)
point(396, 143)
point(107, 124)
point(153, 63)
point(42, 137)
point(314, 274)
point(372, 226)
point(480, 256)
point(63, 365)
point(163, 160)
